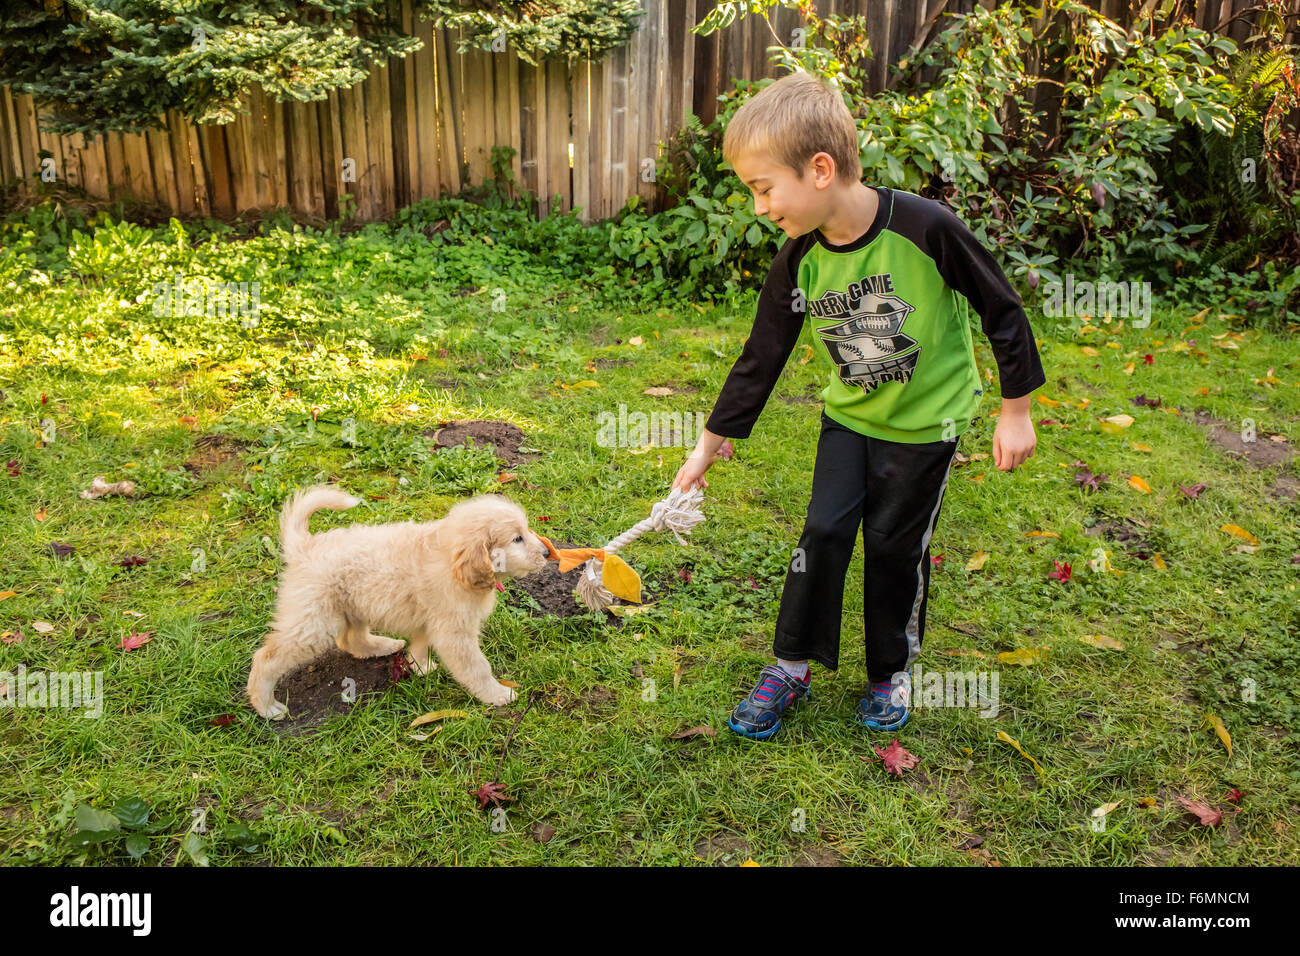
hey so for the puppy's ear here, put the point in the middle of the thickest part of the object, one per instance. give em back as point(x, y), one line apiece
point(471, 564)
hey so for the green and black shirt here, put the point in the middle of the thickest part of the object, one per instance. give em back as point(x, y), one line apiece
point(890, 313)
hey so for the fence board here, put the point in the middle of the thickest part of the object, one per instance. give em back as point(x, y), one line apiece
point(425, 125)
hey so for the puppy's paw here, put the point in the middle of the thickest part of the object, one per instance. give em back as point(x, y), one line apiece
point(276, 711)
point(422, 667)
point(377, 646)
point(499, 697)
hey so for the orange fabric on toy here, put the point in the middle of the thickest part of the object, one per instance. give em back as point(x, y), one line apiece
point(570, 558)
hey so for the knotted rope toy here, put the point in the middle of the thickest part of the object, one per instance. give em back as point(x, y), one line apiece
point(607, 576)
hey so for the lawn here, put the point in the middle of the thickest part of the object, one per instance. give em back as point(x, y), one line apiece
point(366, 344)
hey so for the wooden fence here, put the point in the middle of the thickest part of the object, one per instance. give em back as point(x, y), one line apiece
point(424, 125)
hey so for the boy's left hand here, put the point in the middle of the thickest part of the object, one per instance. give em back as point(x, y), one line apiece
point(1013, 440)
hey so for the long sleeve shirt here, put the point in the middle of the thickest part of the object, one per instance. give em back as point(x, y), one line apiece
point(890, 316)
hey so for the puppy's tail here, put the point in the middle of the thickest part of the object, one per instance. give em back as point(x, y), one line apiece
point(298, 509)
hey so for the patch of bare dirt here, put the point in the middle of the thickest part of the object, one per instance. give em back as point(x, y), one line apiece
point(594, 700)
point(1126, 533)
point(723, 849)
point(817, 856)
point(604, 363)
point(811, 395)
point(314, 693)
point(1264, 452)
point(504, 438)
point(211, 452)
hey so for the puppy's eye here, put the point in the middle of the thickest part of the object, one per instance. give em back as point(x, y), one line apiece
point(519, 539)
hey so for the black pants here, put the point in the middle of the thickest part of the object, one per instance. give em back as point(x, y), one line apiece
point(894, 490)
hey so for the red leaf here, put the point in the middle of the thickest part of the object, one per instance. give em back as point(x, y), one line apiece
point(15, 638)
point(895, 758)
point(1233, 796)
point(1143, 400)
point(135, 640)
point(44, 399)
point(936, 559)
point(401, 668)
point(1207, 816)
point(1088, 480)
point(132, 560)
point(14, 467)
point(1149, 358)
point(685, 574)
point(225, 720)
point(1062, 572)
point(493, 793)
point(1195, 490)
point(60, 549)
point(1046, 421)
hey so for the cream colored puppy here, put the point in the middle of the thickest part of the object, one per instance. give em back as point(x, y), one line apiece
point(434, 582)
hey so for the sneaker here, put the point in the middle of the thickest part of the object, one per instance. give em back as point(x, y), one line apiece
point(758, 716)
point(885, 705)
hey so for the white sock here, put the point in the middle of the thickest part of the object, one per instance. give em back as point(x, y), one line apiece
point(796, 669)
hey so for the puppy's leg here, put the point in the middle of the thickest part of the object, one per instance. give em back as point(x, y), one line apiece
point(283, 650)
point(417, 652)
point(359, 642)
point(465, 662)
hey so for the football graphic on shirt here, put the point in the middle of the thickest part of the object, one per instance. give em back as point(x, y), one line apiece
point(869, 347)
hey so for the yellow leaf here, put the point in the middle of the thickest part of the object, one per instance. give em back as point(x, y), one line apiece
point(1138, 446)
point(1138, 483)
point(808, 356)
point(1123, 421)
point(1242, 533)
point(1024, 657)
point(1113, 345)
point(1105, 808)
point(1044, 400)
point(627, 610)
point(620, 580)
point(1083, 404)
point(634, 340)
point(1089, 328)
point(1102, 641)
point(749, 863)
point(1128, 369)
point(976, 563)
point(658, 390)
point(1089, 351)
point(1158, 562)
point(40, 514)
point(1147, 802)
point(506, 683)
point(1111, 428)
point(436, 730)
point(1221, 730)
point(6, 595)
point(585, 383)
point(1042, 534)
point(434, 716)
point(1006, 738)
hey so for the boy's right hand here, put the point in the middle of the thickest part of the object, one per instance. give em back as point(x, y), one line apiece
point(692, 472)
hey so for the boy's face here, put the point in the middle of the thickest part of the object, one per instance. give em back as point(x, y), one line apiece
point(796, 205)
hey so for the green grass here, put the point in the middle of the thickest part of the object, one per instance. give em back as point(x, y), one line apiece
point(593, 757)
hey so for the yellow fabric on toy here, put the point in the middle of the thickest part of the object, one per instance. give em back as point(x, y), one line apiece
point(616, 574)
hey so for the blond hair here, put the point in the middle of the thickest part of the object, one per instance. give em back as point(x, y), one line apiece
point(792, 120)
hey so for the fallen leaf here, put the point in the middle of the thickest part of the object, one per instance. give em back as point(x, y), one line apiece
point(1061, 571)
point(1006, 738)
point(6, 595)
point(42, 627)
point(635, 340)
point(1102, 641)
point(1238, 532)
point(1023, 657)
point(1106, 808)
point(658, 390)
point(895, 759)
point(435, 715)
point(977, 561)
point(493, 793)
point(225, 720)
point(1139, 484)
point(1206, 815)
point(40, 514)
point(135, 640)
point(436, 730)
point(132, 561)
point(1194, 491)
point(1042, 534)
point(1221, 731)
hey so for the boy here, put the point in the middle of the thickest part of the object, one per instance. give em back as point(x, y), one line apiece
point(885, 277)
